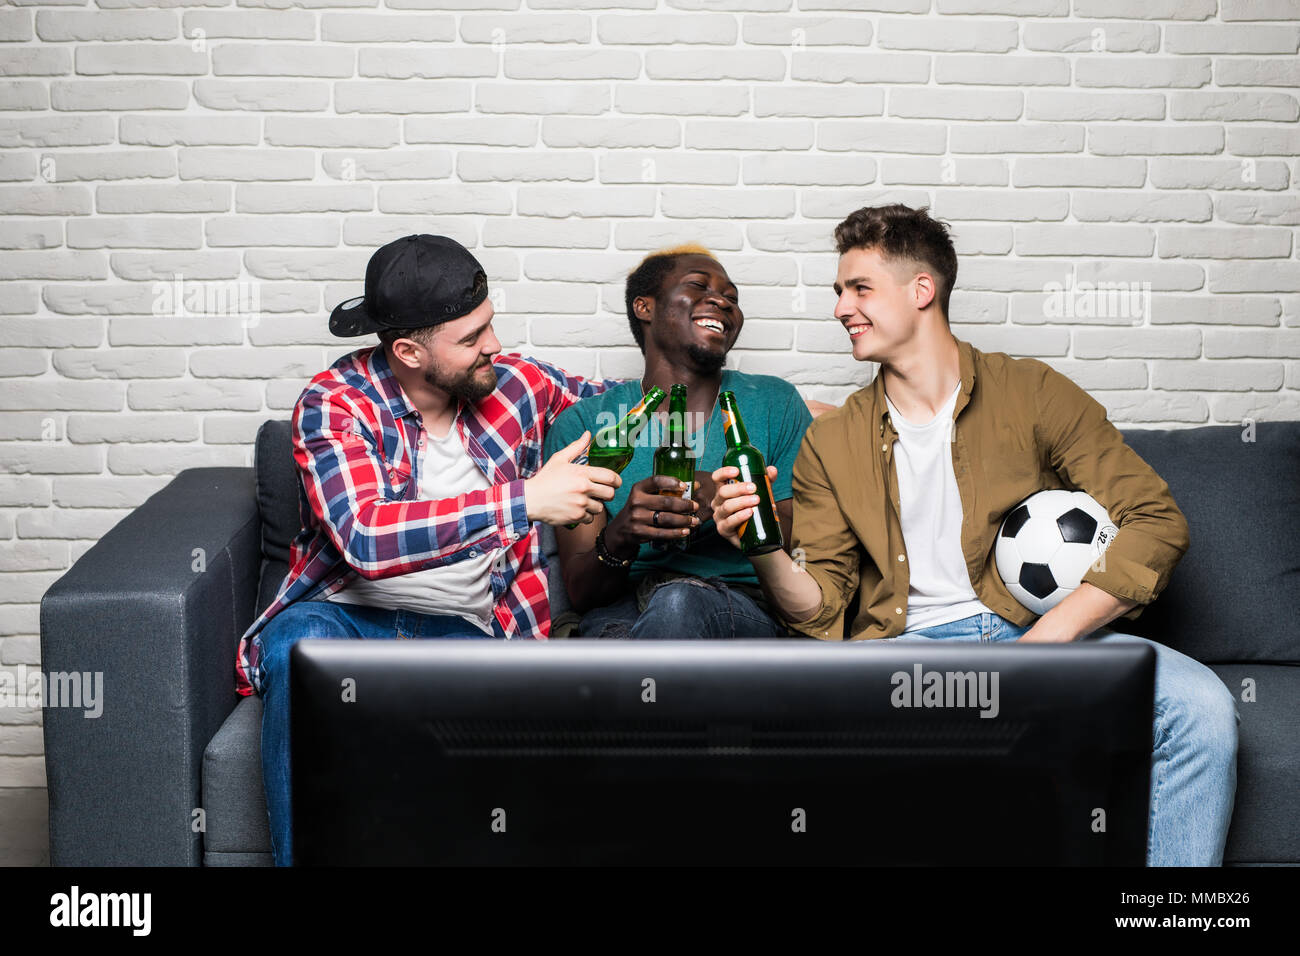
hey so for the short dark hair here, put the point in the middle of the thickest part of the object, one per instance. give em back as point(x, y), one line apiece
point(900, 232)
point(648, 279)
point(423, 335)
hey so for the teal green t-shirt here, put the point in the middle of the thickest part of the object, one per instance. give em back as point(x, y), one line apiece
point(775, 419)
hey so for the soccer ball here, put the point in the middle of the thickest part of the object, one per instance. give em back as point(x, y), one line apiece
point(1047, 543)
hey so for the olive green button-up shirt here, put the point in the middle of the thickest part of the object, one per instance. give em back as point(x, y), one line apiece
point(1019, 427)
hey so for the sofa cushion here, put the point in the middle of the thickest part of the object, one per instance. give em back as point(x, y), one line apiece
point(234, 801)
point(1265, 825)
point(1234, 594)
point(277, 489)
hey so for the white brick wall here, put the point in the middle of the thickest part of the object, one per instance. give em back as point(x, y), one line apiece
point(264, 148)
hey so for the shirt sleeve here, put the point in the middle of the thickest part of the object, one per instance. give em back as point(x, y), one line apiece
point(1089, 453)
point(822, 542)
point(344, 475)
point(787, 431)
point(564, 389)
point(566, 429)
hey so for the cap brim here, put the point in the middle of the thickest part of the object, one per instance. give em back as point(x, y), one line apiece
point(351, 318)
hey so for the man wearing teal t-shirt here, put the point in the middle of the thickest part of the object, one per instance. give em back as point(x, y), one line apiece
point(653, 565)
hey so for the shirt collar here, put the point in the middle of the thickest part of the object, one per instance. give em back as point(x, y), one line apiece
point(966, 364)
point(381, 373)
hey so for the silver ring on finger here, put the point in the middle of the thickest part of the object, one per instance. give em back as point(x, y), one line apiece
point(654, 519)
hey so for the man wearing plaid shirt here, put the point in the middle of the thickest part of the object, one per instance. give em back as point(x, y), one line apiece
point(421, 481)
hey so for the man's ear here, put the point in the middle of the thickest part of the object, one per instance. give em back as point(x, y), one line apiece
point(925, 289)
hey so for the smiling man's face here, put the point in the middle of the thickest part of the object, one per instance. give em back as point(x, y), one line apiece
point(879, 301)
point(697, 315)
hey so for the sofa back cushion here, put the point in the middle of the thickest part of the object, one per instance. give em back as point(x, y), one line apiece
point(1235, 594)
point(1232, 598)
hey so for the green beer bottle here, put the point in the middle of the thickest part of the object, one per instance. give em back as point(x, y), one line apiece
point(674, 458)
point(613, 446)
point(762, 532)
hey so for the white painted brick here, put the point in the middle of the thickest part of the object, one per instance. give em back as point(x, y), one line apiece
point(44, 200)
point(564, 201)
point(376, 231)
point(1015, 138)
point(444, 131)
point(684, 202)
point(1003, 204)
point(1019, 8)
point(394, 28)
point(832, 67)
point(100, 298)
point(1218, 376)
point(611, 133)
point(41, 265)
point(391, 164)
point(110, 164)
point(1260, 408)
point(1078, 171)
point(279, 25)
point(811, 101)
point(984, 171)
point(1218, 174)
point(985, 36)
point(1020, 342)
point(259, 363)
point(1155, 9)
point(881, 137)
point(46, 333)
point(23, 771)
point(134, 232)
point(24, 95)
point(636, 29)
point(805, 170)
point(262, 95)
point(1255, 277)
point(742, 134)
point(171, 459)
point(246, 165)
point(267, 59)
point(1141, 207)
point(153, 59)
point(1083, 36)
point(1009, 275)
point(1252, 343)
point(16, 363)
point(172, 197)
point(790, 32)
point(1235, 39)
point(1137, 343)
point(1246, 208)
point(698, 65)
point(114, 95)
point(20, 490)
point(955, 104)
point(1073, 105)
point(1120, 140)
point(15, 26)
point(1257, 10)
point(674, 99)
point(17, 299)
point(1250, 71)
point(1142, 72)
point(119, 363)
point(647, 236)
point(1124, 408)
point(30, 234)
point(545, 298)
point(232, 429)
point(1163, 276)
point(979, 239)
point(578, 266)
point(1062, 239)
point(56, 131)
point(362, 132)
point(1006, 70)
point(308, 265)
point(32, 556)
point(451, 200)
point(592, 332)
point(786, 237)
point(1234, 106)
point(36, 61)
point(65, 25)
point(813, 369)
point(24, 650)
point(564, 234)
point(1268, 141)
point(149, 130)
point(824, 203)
point(1214, 310)
point(669, 167)
point(1208, 242)
point(194, 396)
point(49, 458)
point(1095, 375)
point(254, 197)
point(570, 64)
point(271, 231)
point(401, 96)
point(92, 429)
point(1094, 309)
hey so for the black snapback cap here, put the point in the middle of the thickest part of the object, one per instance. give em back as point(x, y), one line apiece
point(412, 283)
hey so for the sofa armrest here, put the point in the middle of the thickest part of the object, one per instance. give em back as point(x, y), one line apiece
point(156, 607)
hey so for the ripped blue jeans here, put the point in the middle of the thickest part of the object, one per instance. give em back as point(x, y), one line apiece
point(683, 609)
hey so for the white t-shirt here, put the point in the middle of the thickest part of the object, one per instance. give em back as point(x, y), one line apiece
point(464, 588)
point(939, 590)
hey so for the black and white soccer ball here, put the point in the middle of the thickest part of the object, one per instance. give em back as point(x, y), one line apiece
point(1047, 543)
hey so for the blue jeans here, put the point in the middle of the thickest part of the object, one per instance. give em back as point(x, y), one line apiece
point(320, 619)
point(683, 609)
point(1194, 744)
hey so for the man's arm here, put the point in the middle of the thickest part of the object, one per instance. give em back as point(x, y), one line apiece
point(342, 471)
point(565, 389)
point(1089, 453)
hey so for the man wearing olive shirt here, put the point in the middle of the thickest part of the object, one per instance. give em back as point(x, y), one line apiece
point(899, 495)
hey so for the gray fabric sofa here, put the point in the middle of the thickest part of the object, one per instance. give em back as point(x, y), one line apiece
point(170, 773)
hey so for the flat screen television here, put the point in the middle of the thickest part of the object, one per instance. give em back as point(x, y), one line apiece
point(585, 752)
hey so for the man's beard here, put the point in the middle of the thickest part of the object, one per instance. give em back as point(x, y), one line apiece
point(707, 361)
point(470, 385)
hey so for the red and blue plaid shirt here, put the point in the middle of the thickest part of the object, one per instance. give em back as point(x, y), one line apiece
point(355, 440)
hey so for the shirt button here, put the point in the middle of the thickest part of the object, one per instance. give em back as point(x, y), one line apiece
point(884, 448)
point(898, 610)
point(902, 557)
point(473, 552)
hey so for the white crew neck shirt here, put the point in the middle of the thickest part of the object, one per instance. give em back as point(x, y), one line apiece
point(462, 589)
point(939, 590)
